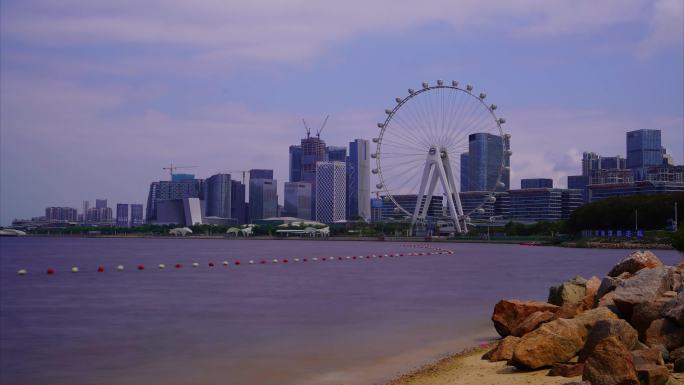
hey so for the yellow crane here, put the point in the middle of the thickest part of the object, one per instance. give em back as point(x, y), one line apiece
point(172, 167)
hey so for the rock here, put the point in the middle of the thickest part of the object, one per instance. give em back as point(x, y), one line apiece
point(532, 322)
point(634, 262)
point(674, 309)
point(592, 287)
point(508, 314)
point(569, 292)
point(646, 312)
point(568, 310)
point(557, 341)
point(578, 383)
point(608, 302)
point(618, 328)
point(664, 332)
point(607, 285)
point(677, 354)
point(610, 363)
point(653, 374)
point(503, 350)
point(645, 286)
point(566, 370)
point(650, 356)
point(678, 366)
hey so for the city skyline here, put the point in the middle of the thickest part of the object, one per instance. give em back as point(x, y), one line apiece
point(570, 84)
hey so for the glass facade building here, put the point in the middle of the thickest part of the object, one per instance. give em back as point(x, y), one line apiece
point(358, 180)
point(408, 203)
point(295, 164)
point(486, 155)
point(336, 153)
point(218, 196)
point(122, 215)
point(137, 215)
point(263, 198)
point(644, 149)
point(297, 200)
point(171, 190)
point(331, 188)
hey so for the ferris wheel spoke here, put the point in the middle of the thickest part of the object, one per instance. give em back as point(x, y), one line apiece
point(401, 141)
point(410, 134)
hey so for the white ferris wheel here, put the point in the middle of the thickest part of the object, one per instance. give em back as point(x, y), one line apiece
point(419, 147)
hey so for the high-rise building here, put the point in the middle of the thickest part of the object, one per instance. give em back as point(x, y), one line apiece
point(238, 207)
point(471, 201)
point(536, 183)
point(122, 219)
point(263, 197)
point(358, 180)
point(86, 206)
point(579, 182)
point(465, 184)
point(297, 200)
point(61, 214)
point(313, 151)
point(181, 177)
point(644, 149)
point(603, 176)
point(102, 216)
point(137, 218)
point(603, 191)
point(295, 163)
point(172, 190)
point(260, 174)
point(376, 209)
point(336, 153)
point(331, 181)
point(543, 204)
point(488, 160)
point(218, 200)
point(100, 203)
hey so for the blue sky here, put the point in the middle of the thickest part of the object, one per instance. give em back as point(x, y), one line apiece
point(96, 97)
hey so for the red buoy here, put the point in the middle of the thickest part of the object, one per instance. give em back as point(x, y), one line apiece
point(141, 267)
point(304, 259)
point(237, 262)
point(100, 269)
point(178, 266)
point(50, 271)
point(263, 262)
point(354, 257)
point(284, 260)
point(211, 264)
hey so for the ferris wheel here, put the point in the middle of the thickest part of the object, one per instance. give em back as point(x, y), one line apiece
point(420, 146)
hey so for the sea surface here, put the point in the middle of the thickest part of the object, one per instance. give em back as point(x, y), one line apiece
point(335, 322)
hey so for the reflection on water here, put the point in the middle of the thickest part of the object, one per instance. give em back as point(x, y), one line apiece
point(355, 322)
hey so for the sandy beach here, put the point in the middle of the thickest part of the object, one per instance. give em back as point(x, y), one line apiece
point(468, 368)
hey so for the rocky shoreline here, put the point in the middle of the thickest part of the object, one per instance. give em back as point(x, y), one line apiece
point(627, 328)
point(624, 329)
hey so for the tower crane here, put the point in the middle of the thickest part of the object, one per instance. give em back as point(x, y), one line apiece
point(244, 172)
point(172, 167)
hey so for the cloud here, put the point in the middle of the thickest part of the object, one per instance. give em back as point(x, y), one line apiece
point(228, 32)
point(666, 27)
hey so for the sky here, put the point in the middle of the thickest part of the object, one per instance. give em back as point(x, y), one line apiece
point(97, 96)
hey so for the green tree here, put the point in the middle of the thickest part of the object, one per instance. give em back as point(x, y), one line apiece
point(678, 239)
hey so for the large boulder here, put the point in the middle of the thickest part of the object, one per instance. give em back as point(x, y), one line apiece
point(508, 314)
point(664, 332)
point(592, 286)
point(569, 292)
point(652, 374)
point(503, 350)
point(676, 354)
point(566, 370)
point(557, 341)
point(634, 262)
point(610, 363)
point(646, 312)
point(617, 328)
point(532, 322)
point(674, 309)
point(645, 286)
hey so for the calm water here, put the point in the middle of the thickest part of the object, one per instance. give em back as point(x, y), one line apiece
point(332, 322)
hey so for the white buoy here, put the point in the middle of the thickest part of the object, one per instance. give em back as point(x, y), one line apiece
point(161, 266)
point(22, 272)
point(195, 264)
point(347, 257)
point(314, 259)
point(275, 261)
point(225, 263)
point(296, 259)
point(119, 268)
point(251, 261)
point(74, 269)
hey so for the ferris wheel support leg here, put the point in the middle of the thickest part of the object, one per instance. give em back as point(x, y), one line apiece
point(446, 185)
point(456, 198)
point(430, 193)
point(417, 212)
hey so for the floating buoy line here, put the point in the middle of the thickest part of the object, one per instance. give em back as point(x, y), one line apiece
point(140, 267)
